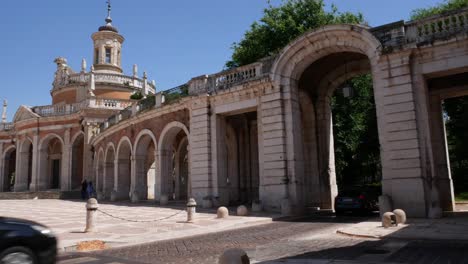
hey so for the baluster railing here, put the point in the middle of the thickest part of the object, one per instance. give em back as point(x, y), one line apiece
point(437, 27)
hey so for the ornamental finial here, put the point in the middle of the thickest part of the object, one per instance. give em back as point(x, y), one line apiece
point(109, 9)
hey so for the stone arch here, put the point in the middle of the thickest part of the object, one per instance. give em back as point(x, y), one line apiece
point(181, 170)
point(100, 172)
point(9, 169)
point(77, 159)
point(165, 182)
point(145, 152)
point(109, 171)
point(23, 177)
point(124, 168)
point(345, 50)
point(316, 44)
point(50, 163)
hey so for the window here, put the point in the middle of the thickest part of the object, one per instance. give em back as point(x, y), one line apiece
point(96, 57)
point(108, 55)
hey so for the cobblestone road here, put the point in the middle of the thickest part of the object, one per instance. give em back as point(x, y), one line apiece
point(278, 242)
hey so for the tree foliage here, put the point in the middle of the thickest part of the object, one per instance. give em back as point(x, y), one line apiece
point(357, 152)
point(280, 25)
point(456, 116)
point(447, 5)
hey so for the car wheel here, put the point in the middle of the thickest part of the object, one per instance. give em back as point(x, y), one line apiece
point(17, 255)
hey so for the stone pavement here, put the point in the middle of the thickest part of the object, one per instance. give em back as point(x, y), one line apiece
point(68, 219)
point(448, 228)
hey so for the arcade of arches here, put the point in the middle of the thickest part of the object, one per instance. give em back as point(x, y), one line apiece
point(269, 138)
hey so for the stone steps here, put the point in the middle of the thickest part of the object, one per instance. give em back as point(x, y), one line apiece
point(52, 194)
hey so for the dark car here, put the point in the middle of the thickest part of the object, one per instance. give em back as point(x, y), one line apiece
point(358, 199)
point(27, 242)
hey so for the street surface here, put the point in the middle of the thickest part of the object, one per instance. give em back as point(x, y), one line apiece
point(305, 239)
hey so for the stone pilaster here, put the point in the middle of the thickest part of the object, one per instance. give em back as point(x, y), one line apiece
point(66, 163)
point(403, 178)
point(201, 178)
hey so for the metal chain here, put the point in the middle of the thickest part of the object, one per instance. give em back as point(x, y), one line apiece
point(140, 221)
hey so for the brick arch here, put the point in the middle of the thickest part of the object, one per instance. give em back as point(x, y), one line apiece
point(76, 136)
point(123, 140)
point(47, 139)
point(100, 170)
point(109, 170)
point(171, 130)
point(7, 150)
point(145, 173)
point(139, 139)
point(168, 135)
point(316, 44)
point(123, 179)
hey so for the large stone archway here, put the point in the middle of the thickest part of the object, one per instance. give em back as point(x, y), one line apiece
point(50, 163)
point(9, 169)
point(171, 136)
point(306, 73)
point(143, 184)
point(77, 157)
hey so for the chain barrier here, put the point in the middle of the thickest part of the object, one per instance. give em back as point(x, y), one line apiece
point(140, 221)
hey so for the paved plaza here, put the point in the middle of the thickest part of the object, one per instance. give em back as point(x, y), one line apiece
point(68, 219)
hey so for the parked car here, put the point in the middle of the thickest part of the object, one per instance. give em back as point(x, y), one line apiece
point(26, 242)
point(357, 199)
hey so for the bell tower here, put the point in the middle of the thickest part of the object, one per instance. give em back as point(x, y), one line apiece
point(108, 46)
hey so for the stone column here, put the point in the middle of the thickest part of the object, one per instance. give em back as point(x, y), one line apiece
point(201, 177)
point(326, 154)
point(88, 153)
point(66, 166)
point(22, 161)
point(442, 180)
point(123, 179)
point(109, 176)
point(272, 146)
point(218, 157)
point(139, 188)
point(36, 183)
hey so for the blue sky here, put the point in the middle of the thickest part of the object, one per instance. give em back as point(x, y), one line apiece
point(172, 40)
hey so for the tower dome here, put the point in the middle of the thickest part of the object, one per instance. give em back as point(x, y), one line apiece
point(107, 46)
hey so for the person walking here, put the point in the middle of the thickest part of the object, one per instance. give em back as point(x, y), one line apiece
point(90, 190)
point(84, 190)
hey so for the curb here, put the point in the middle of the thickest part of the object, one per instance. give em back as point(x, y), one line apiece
point(339, 232)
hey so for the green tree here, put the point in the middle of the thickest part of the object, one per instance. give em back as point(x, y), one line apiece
point(357, 153)
point(280, 25)
point(447, 5)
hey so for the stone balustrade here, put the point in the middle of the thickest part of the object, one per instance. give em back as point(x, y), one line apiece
point(6, 126)
point(92, 103)
point(57, 110)
point(112, 104)
point(107, 78)
point(437, 27)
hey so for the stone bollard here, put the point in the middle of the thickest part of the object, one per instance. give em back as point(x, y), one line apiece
point(91, 215)
point(163, 200)
point(242, 210)
point(385, 204)
point(400, 216)
point(222, 212)
point(191, 210)
point(389, 220)
point(234, 256)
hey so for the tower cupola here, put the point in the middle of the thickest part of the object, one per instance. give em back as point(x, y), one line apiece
point(108, 46)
